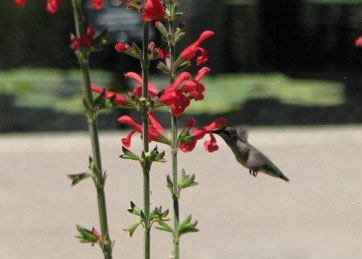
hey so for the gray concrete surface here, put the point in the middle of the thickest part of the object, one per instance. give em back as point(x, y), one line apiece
point(317, 215)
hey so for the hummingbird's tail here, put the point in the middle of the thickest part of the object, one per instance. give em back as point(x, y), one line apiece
point(274, 171)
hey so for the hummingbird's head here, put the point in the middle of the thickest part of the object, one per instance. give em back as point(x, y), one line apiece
point(232, 134)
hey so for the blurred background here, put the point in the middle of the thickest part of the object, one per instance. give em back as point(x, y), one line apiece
point(285, 62)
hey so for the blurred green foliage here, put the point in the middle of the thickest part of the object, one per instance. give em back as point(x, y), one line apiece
point(61, 90)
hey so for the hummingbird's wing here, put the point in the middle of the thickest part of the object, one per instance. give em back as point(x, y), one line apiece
point(242, 133)
point(257, 161)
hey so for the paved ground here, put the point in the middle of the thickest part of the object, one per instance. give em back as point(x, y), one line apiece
point(317, 215)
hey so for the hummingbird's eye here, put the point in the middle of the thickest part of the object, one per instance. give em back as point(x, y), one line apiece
point(229, 132)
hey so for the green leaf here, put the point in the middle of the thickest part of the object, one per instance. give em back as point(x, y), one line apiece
point(76, 178)
point(92, 166)
point(157, 156)
point(88, 109)
point(135, 210)
point(187, 180)
point(164, 227)
point(129, 155)
point(169, 182)
point(187, 226)
point(86, 235)
point(133, 228)
point(163, 68)
point(162, 29)
point(100, 101)
point(183, 65)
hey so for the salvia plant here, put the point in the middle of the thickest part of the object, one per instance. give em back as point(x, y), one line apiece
point(182, 88)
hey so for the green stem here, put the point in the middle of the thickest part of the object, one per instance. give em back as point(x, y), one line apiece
point(145, 124)
point(175, 195)
point(93, 132)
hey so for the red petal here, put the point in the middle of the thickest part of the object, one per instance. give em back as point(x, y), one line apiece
point(188, 146)
point(211, 144)
point(20, 3)
point(202, 72)
point(168, 98)
point(118, 98)
point(97, 4)
point(218, 123)
point(152, 89)
point(154, 10)
point(181, 78)
point(358, 42)
point(90, 32)
point(126, 141)
point(96, 233)
point(155, 123)
point(180, 105)
point(134, 76)
point(191, 50)
point(203, 58)
point(120, 47)
point(52, 6)
point(130, 122)
point(199, 133)
point(190, 123)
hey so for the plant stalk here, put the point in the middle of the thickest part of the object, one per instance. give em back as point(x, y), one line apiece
point(93, 132)
point(174, 125)
point(145, 124)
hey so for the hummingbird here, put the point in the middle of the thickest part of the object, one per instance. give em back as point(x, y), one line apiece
point(246, 154)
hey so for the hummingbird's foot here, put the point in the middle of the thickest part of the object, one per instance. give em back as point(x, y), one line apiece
point(253, 173)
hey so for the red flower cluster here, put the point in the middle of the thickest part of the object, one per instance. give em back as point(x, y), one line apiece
point(179, 94)
point(155, 129)
point(190, 52)
point(198, 134)
point(85, 41)
point(117, 98)
point(153, 10)
point(53, 5)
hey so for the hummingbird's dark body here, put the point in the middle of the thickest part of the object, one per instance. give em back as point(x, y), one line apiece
point(246, 154)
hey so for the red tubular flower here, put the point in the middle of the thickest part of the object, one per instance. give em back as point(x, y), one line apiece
point(155, 129)
point(97, 235)
point(358, 42)
point(85, 41)
point(211, 145)
point(152, 89)
point(203, 58)
point(161, 53)
point(118, 98)
point(97, 4)
point(190, 51)
point(199, 133)
point(194, 88)
point(52, 5)
point(20, 3)
point(120, 47)
point(154, 10)
point(175, 96)
point(189, 145)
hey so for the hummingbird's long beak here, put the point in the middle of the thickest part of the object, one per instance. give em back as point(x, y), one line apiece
point(218, 131)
